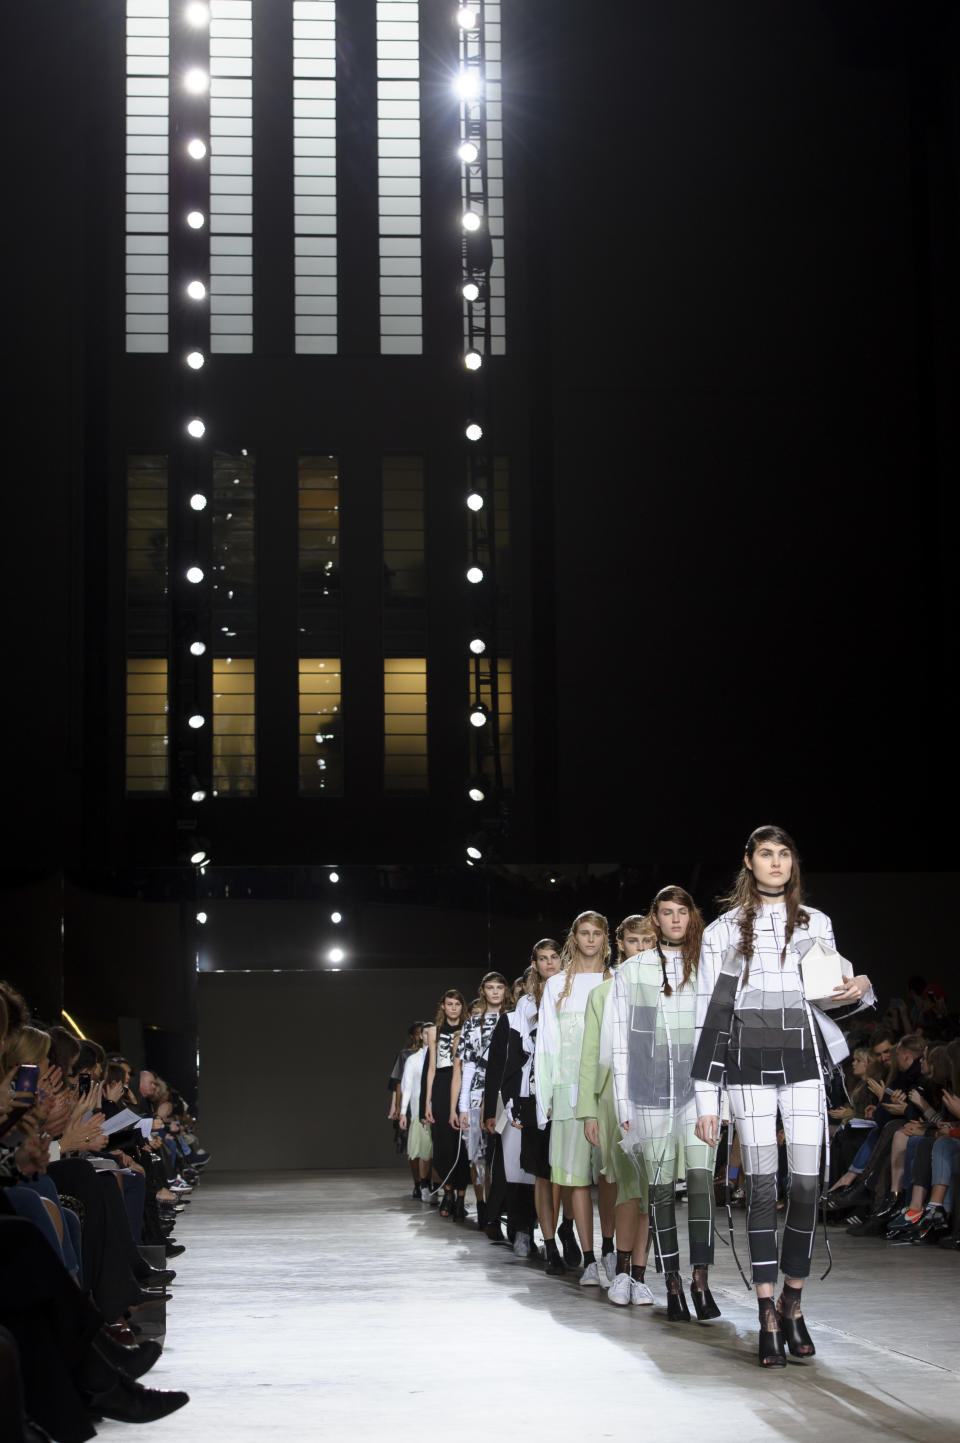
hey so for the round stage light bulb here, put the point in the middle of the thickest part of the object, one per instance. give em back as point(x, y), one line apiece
point(198, 796)
point(478, 718)
point(195, 360)
point(202, 918)
point(471, 291)
point(195, 575)
point(475, 501)
point(475, 853)
point(466, 18)
point(467, 85)
point(199, 856)
point(475, 794)
point(473, 432)
point(196, 80)
point(196, 219)
point(196, 148)
point(197, 648)
point(471, 221)
point(468, 152)
point(196, 721)
point(198, 14)
point(477, 646)
point(335, 954)
point(196, 428)
point(334, 877)
point(196, 290)
point(198, 501)
point(336, 918)
point(475, 574)
point(473, 360)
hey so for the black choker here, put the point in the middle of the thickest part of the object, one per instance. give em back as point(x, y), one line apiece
point(771, 894)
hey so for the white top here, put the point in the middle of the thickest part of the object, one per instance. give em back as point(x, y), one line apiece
point(559, 1044)
point(410, 1081)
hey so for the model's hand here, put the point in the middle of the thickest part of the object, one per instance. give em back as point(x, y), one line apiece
point(464, 1122)
point(708, 1129)
point(591, 1131)
point(403, 1123)
point(490, 1125)
point(852, 989)
point(430, 1117)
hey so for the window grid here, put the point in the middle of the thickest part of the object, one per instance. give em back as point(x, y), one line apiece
point(234, 726)
point(147, 742)
point(318, 537)
point(147, 188)
point(483, 693)
point(321, 727)
point(494, 107)
point(398, 171)
point(315, 176)
point(231, 176)
point(405, 724)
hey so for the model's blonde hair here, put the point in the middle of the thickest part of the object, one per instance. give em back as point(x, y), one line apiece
point(571, 958)
point(634, 923)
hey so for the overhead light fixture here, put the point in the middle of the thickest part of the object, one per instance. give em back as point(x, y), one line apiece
point(334, 877)
point(196, 219)
point(202, 918)
point(473, 432)
point(476, 793)
point(196, 80)
point(477, 646)
point(471, 291)
point(195, 576)
point(196, 428)
point(471, 221)
point(468, 152)
point(474, 853)
point(336, 954)
point(473, 360)
point(198, 14)
point(199, 855)
point(466, 18)
point(336, 918)
point(197, 648)
point(199, 795)
point(478, 716)
point(195, 360)
point(198, 501)
point(475, 575)
point(475, 501)
point(196, 721)
point(196, 148)
point(196, 290)
point(467, 84)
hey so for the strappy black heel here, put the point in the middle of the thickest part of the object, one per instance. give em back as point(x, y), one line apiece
point(771, 1354)
point(677, 1310)
point(703, 1299)
point(794, 1329)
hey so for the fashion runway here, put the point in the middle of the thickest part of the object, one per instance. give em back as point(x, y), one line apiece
point(329, 1305)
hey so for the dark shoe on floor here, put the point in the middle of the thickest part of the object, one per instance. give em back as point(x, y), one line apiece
point(871, 1227)
point(130, 1402)
point(569, 1246)
point(555, 1268)
point(133, 1361)
point(174, 1249)
point(949, 1245)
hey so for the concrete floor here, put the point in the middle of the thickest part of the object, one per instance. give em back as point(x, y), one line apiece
point(330, 1306)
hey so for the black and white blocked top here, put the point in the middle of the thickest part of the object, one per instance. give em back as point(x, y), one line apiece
point(445, 1038)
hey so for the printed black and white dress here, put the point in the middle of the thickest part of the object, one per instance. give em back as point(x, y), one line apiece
point(449, 1151)
point(472, 1050)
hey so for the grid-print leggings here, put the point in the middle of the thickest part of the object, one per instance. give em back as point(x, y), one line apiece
point(656, 1154)
point(754, 1111)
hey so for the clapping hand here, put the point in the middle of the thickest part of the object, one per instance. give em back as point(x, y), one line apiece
point(952, 1102)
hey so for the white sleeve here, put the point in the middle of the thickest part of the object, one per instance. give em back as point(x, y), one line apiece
point(407, 1081)
point(466, 1082)
point(618, 1010)
point(548, 1041)
point(711, 956)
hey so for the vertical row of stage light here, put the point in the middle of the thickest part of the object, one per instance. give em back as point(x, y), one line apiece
point(191, 461)
point(485, 785)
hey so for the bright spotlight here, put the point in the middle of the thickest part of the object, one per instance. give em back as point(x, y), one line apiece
point(196, 219)
point(202, 918)
point(468, 152)
point(196, 428)
point(471, 221)
point(198, 14)
point(476, 794)
point(196, 80)
point(477, 646)
point(196, 721)
point(195, 575)
point(471, 291)
point(475, 574)
point(195, 360)
point(473, 432)
point(474, 853)
point(336, 918)
point(473, 360)
point(198, 857)
point(196, 148)
point(196, 290)
point(335, 954)
point(467, 85)
point(198, 501)
point(198, 796)
point(466, 18)
point(334, 877)
point(478, 717)
point(475, 501)
point(197, 648)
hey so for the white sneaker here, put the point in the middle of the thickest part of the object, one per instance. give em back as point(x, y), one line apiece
point(521, 1245)
point(640, 1294)
point(594, 1277)
point(609, 1261)
point(620, 1290)
point(426, 1192)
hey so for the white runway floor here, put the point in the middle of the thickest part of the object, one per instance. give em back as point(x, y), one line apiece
point(330, 1306)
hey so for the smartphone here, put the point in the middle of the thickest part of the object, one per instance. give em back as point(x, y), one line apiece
point(26, 1080)
point(83, 1084)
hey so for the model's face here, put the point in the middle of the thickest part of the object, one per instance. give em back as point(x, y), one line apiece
point(883, 1053)
point(547, 962)
point(452, 1009)
point(674, 919)
point(589, 938)
point(771, 865)
point(494, 993)
point(416, 1037)
point(634, 942)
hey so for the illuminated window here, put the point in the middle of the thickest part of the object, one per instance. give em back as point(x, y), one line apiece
point(398, 169)
point(234, 580)
point(148, 201)
point(148, 764)
point(234, 726)
point(494, 106)
point(315, 175)
point(319, 555)
point(404, 576)
point(504, 707)
point(405, 724)
point(231, 176)
point(321, 729)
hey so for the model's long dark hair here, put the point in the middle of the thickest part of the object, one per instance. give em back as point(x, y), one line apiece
point(745, 898)
point(441, 1016)
point(690, 947)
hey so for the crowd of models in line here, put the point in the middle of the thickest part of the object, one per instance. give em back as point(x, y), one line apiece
point(612, 1071)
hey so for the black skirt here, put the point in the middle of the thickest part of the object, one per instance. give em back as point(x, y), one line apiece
point(449, 1145)
point(534, 1142)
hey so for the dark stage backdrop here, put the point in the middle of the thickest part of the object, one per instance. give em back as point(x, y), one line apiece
point(294, 1065)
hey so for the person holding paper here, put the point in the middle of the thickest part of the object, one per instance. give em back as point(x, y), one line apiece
point(761, 1038)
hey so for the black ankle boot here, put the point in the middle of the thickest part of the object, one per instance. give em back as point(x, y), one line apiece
point(792, 1326)
point(459, 1210)
point(771, 1354)
point(703, 1299)
point(677, 1310)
